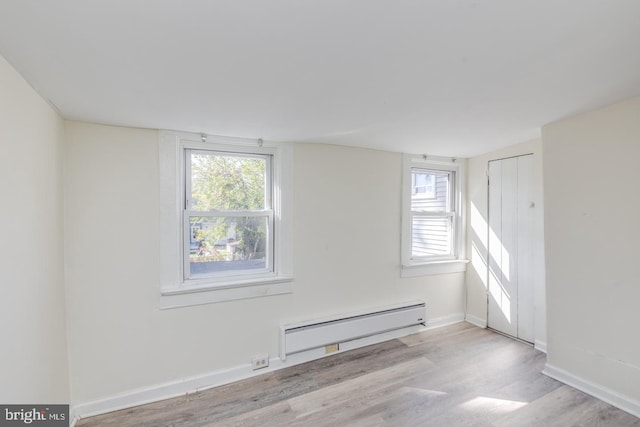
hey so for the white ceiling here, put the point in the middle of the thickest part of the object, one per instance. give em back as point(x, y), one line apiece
point(443, 77)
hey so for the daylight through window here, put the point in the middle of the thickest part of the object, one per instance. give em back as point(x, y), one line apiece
point(228, 214)
point(432, 214)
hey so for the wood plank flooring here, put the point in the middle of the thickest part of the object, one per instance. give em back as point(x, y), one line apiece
point(458, 375)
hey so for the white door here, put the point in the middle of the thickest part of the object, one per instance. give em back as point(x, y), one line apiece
point(510, 279)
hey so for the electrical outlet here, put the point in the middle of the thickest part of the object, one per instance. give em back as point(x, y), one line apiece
point(259, 362)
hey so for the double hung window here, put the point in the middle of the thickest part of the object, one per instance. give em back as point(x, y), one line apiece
point(432, 220)
point(228, 216)
point(433, 214)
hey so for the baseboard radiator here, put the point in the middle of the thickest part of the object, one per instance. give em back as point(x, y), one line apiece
point(296, 338)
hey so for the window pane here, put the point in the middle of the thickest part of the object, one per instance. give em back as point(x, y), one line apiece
point(430, 191)
point(227, 244)
point(430, 236)
point(423, 185)
point(227, 182)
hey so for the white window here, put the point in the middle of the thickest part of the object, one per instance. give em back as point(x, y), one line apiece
point(225, 219)
point(432, 216)
point(228, 217)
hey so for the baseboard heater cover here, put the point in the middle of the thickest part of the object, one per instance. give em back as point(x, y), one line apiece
point(296, 338)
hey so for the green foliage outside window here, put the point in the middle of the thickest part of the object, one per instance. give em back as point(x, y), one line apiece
point(229, 183)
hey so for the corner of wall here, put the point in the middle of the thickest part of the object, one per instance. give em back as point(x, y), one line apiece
point(31, 176)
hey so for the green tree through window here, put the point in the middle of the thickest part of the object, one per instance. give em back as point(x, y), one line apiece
point(229, 208)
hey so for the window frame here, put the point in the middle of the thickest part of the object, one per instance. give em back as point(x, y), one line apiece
point(189, 212)
point(175, 289)
point(451, 263)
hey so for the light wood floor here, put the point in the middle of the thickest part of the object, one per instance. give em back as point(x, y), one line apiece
point(457, 375)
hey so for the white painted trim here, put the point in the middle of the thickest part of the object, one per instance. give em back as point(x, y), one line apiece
point(438, 322)
point(541, 346)
point(408, 267)
point(605, 394)
point(168, 390)
point(73, 417)
point(436, 267)
point(175, 298)
point(475, 320)
point(203, 382)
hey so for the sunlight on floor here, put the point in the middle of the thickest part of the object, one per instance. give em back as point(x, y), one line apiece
point(493, 405)
point(423, 392)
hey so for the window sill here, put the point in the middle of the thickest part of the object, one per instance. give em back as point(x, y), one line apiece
point(433, 268)
point(185, 296)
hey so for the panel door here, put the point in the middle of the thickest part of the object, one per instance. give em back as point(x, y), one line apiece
point(510, 293)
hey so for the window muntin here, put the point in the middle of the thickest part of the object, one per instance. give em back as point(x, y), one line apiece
point(228, 216)
point(432, 215)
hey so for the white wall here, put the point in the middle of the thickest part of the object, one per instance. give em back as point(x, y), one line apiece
point(592, 201)
point(347, 212)
point(33, 358)
point(346, 246)
point(476, 276)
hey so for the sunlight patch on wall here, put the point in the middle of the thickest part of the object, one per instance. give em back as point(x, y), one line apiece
point(500, 296)
point(485, 240)
point(479, 263)
point(479, 225)
point(479, 230)
point(499, 253)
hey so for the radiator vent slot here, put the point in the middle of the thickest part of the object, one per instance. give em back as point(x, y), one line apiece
point(296, 338)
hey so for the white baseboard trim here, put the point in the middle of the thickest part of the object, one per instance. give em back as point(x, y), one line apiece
point(73, 417)
point(605, 394)
point(203, 382)
point(540, 346)
point(167, 390)
point(438, 322)
point(475, 320)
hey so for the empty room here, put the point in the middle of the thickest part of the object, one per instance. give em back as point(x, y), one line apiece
point(315, 213)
